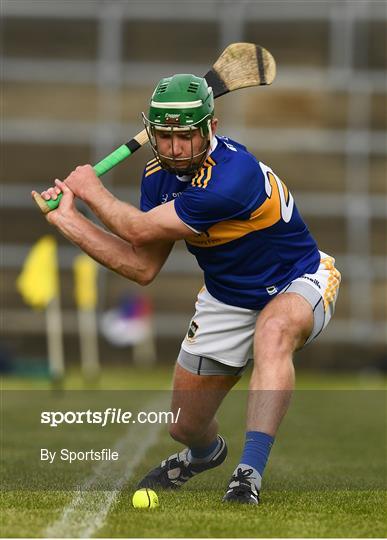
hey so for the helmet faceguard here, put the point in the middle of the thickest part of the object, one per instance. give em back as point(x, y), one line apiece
point(182, 105)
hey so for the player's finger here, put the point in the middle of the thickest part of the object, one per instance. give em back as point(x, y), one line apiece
point(62, 186)
point(52, 193)
point(45, 195)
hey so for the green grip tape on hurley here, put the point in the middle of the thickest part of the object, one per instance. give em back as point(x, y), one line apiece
point(113, 159)
point(54, 203)
point(102, 167)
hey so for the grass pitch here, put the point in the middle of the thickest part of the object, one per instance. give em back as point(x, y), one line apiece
point(325, 478)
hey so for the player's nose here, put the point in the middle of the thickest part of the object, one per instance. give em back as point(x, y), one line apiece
point(177, 148)
point(177, 151)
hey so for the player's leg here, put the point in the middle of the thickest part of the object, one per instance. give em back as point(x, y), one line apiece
point(195, 400)
point(214, 354)
point(290, 320)
point(282, 327)
point(198, 398)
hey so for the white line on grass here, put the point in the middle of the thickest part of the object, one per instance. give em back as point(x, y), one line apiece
point(87, 512)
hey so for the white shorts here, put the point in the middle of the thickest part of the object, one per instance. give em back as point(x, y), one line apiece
point(225, 333)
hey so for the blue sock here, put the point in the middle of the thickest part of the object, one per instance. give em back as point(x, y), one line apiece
point(257, 449)
point(202, 454)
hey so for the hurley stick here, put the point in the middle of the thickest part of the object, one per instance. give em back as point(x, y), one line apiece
point(240, 65)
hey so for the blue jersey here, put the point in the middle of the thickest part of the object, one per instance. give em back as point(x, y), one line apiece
point(248, 237)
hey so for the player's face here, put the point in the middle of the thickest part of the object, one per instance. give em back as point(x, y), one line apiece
point(181, 148)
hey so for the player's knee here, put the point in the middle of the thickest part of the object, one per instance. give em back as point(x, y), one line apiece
point(274, 334)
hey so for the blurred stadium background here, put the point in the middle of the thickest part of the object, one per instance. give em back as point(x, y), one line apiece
point(76, 76)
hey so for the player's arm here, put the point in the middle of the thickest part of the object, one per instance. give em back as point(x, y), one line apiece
point(139, 264)
point(141, 229)
point(137, 227)
point(161, 223)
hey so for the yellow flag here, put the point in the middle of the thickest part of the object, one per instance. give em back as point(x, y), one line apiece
point(38, 282)
point(85, 275)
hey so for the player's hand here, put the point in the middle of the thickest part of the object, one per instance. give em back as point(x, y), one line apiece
point(51, 193)
point(83, 181)
point(66, 208)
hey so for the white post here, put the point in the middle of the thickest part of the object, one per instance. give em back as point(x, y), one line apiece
point(85, 291)
point(144, 352)
point(88, 336)
point(55, 339)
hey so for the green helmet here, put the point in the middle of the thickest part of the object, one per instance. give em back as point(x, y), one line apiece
point(182, 102)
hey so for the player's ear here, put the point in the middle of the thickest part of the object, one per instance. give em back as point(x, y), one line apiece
point(214, 125)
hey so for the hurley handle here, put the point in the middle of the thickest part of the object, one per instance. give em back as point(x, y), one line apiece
point(102, 167)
